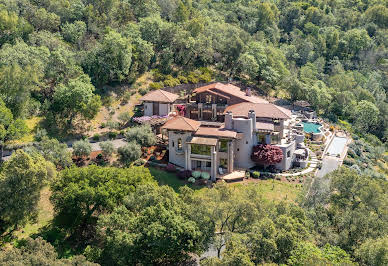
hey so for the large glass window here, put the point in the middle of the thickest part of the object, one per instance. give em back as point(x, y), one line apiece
point(223, 146)
point(200, 149)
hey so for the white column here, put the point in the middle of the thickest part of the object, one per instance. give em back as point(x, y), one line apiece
point(189, 156)
point(230, 156)
point(187, 159)
point(213, 172)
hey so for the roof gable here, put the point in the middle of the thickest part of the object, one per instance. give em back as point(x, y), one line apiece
point(159, 96)
point(264, 110)
point(181, 123)
point(229, 89)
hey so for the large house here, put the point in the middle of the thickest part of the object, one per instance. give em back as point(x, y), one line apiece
point(221, 140)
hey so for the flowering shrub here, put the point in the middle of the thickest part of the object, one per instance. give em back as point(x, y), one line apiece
point(181, 109)
point(143, 119)
point(171, 168)
point(196, 174)
point(191, 180)
point(267, 154)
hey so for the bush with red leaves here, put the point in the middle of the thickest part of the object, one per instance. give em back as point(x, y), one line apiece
point(185, 174)
point(267, 154)
point(171, 168)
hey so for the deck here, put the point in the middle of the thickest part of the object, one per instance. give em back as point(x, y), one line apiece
point(235, 176)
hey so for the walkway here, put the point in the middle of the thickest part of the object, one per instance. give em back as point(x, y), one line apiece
point(313, 165)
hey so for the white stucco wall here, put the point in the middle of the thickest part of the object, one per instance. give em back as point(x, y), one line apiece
point(286, 163)
point(177, 157)
point(148, 109)
point(164, 108)
point(243, 147)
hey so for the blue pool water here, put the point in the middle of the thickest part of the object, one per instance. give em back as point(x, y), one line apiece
point(336, 146)
point(311, 127)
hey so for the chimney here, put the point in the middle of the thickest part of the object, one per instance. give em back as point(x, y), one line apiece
point(229, 120)
point(252, 116)
point(248, 92)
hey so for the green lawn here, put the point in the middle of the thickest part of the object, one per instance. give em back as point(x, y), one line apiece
point(277, 190)
point(169, 179)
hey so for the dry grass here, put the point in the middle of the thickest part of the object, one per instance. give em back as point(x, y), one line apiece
point(45, 215)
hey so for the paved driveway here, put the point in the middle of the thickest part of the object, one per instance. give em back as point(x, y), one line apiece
point(329, 164)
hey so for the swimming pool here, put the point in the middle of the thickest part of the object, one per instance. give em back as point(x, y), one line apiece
point(336, 146)
point(309, 127)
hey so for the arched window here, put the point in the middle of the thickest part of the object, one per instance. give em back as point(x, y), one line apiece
point(179, 144)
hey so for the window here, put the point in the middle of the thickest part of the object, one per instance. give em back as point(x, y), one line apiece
point(246, 142)
point(173, 144)
point(223, 163)
point(179, 144)
point(223, 146)
point(208, 98)
point(208, 164)
point(200, 149)
point(275, 139)
point(288, 154)
point(261, 138)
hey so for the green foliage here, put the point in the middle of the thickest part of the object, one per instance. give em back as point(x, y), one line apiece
point(307, 253)
point(107, 148)
point(153, 226)
point(142, 135)
point(373, 251)
point(38, 252)
point(129, 153)
point(79, 195)
point(82, 148)
point(355, 213)
point(21, 179)
point(74, 32)
point(111, 61)
point(75, 100)
point(54, 151)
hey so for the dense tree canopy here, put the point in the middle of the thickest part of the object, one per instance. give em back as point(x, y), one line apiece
point(21, 179)
point(81, 194)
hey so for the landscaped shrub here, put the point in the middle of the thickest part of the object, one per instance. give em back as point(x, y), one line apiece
point(142, 135)
point(112, 135)
point(139, 162)
point(107, 148)
point(171, 168)
point(112, 125)
point(196, 174)
point(143, 91)
point(247, 174)
point(129, 153)
point(191, 180)
point(82, 148)
point(96, 137)
point(156, 85)
point(256, 174)
point(205, 175)
point(185, 174)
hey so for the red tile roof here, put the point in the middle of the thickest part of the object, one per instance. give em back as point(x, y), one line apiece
point(230, 89)
point(181, 123)
point(216, 132)
point(159, 96)
point(266, 126)
point(264, 110)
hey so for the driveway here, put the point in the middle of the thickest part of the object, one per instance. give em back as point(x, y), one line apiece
point(329, 164)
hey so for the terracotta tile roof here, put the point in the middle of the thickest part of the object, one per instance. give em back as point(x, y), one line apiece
point(267, 126)
point(264, 110)
point(202, 141)
point(182, 124)
point(230, 89)
point(216, 132)
point(159, 96)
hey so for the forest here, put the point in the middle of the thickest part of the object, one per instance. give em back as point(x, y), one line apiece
point(60, 61)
